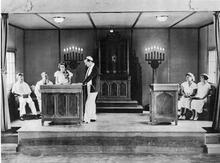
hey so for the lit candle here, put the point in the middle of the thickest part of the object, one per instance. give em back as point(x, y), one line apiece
point(157, 55)
point(163, 56)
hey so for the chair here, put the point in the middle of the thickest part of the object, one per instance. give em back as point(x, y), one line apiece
point(208, 107)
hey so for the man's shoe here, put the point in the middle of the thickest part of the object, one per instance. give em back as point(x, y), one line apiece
point(92, 120)
point(21, 118)
point(182, 117)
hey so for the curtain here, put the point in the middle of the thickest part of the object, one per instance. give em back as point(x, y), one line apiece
point(5, 117)
point(216, 122)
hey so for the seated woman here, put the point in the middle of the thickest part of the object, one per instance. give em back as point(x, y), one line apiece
point(62, 76)
point(188, 89)
point(201, 96)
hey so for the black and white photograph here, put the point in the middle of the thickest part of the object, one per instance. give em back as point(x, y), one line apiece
point(110, 81)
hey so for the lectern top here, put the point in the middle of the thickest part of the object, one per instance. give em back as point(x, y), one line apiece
point(70, 88)
point(165, 87)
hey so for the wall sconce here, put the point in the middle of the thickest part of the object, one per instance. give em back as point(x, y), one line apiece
point(154, 55)
point(72, 56)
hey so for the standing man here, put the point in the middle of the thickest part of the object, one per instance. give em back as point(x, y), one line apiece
point(90, 81)
point(23, 91)
point(44, 81)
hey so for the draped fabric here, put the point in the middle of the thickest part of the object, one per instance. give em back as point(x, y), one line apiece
point(5, 118)
point(216, 122)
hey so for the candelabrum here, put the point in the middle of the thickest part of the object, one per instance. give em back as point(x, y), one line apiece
point(154, 56)
point(72, 56)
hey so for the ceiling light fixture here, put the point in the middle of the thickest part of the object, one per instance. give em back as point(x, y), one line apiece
point(58, 19)
point(162, 18)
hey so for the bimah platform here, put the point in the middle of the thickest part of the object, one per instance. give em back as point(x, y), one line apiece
point(62, 103)
point(163, 103)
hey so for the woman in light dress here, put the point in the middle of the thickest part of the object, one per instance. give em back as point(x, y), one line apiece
point(188, 89)
point(62, 76)
point(203, 88)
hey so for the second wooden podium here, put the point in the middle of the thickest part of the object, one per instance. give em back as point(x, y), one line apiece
point(163, 103)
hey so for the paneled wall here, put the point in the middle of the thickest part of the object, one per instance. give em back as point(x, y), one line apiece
point(181, 48)
point(81, 38)
point(206, 42)
point(16, 42)
point(41, 54)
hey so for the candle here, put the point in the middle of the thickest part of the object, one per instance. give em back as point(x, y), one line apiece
point(151, 56)
point(64, 57)
point(163, 56)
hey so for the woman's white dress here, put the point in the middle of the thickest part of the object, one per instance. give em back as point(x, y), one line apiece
point(61, 79)
point(203, 89)
point(184, 102)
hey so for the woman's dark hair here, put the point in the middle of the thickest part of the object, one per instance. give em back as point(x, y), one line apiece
point(205, 76)
point(61, 63)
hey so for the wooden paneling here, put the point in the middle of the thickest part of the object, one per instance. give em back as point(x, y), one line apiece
point(62, 103)
point(163, 106)
point(115, 89)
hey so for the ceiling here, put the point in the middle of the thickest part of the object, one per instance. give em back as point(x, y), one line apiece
point(189, 19)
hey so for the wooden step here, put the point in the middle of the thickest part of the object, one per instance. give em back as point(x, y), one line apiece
point(119, 109)
point(121, 103)
point(213, 148)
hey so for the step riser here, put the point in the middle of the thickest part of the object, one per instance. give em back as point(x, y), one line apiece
point(9, 139)
point(180, 141)
point(70, 149)
point(116, 105)
point(212, 139)
point(119, 110)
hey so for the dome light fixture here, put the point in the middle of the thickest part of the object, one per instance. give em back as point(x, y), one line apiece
point(58, 19)
point(162, 18)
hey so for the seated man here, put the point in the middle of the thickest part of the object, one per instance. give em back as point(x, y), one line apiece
point(44, 81)
point(23, 91)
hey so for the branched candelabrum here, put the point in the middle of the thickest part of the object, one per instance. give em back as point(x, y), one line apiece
point(154, 56)
point(72, 56)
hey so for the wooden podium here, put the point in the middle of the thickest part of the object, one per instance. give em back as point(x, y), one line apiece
point(62, 103)
point(163, 103)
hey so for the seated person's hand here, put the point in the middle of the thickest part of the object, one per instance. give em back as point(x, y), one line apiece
point(195, 98)
point(25, 95)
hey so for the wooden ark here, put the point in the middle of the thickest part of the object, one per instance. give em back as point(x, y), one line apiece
point(62, 103)
point(163, 103)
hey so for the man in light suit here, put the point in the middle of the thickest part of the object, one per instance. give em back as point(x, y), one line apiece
point(23, 91)
point(91, 88)
point(44, 81)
